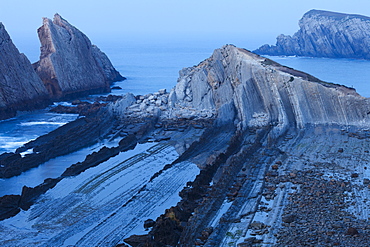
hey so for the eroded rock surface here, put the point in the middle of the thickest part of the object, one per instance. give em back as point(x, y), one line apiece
point(253, 91)
point(69, 64)
point(275, 148)
point(20, 87)
point(325, 34)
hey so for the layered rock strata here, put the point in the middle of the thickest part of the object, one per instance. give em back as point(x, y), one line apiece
point(263, 105)
point(69, 64)
point(268, 139)
point(253, 91)
point(20, 87)
point(325, 34)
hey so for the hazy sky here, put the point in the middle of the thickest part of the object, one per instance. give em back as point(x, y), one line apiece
point(120, 18)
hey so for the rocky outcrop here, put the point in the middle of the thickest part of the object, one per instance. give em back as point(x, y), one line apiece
point(325, 34)
point(253, 91)
point(68, 138)
point(259, 106)
point(20, 87)
point(69, 64)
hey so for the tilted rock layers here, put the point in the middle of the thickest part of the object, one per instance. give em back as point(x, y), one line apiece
point(20, 87)
point(69, 64)
point(253, 91)
point(325, 34)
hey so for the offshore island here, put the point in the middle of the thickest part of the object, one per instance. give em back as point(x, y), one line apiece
point(254, 154)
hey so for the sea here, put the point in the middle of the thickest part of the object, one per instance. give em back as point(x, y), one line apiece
point(150, 63)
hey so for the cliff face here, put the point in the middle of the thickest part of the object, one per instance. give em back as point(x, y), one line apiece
point(325, 34)
point(69, 64)
point(20, 87)
point(253, 91)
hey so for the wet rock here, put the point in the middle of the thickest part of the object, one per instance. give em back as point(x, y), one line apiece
point(256, 225)
point(30, 195)
point(351, 231)
point(289, 218)
point(9, 206)
point(149, 223)
point(136, 240)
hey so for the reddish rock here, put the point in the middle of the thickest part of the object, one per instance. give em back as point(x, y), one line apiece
point(352, 231)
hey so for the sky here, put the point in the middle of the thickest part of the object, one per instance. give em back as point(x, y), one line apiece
point(119, 19)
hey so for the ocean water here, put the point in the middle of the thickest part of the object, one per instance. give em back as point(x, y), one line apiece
point(153, 63)
point(353, 73)
point(27, 126)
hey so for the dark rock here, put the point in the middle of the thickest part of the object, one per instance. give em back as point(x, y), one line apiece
point(318, 36)
point(69, 64)
point(149, 223)
point(9, 206)
point(340, 150)
point(136, 240)
point(122, 245)
point(116, 88)
point(256, 225)
point(21, 88)
point(351, 231)
point(288, 218)
point(29, 195)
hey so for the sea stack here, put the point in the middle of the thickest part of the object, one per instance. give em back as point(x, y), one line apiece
point(325, 34)
point(69, 64)
point(20, 87)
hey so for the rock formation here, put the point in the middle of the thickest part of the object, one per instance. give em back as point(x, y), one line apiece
point(69, 64)
point(20, 87)
point(279, 114)
point(254, 91)
point(279, 151)
point(325, 34)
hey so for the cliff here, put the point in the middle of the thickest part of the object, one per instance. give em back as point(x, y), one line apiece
point(253, 91)
point(325, 34)
point(69, 64)
point(20, 87)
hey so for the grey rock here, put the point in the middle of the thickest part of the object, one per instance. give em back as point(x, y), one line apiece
point(69, 64)
point(325, 34)
point(158, 102)
point(119, 107)
point(253, 91)
point(20, 87)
